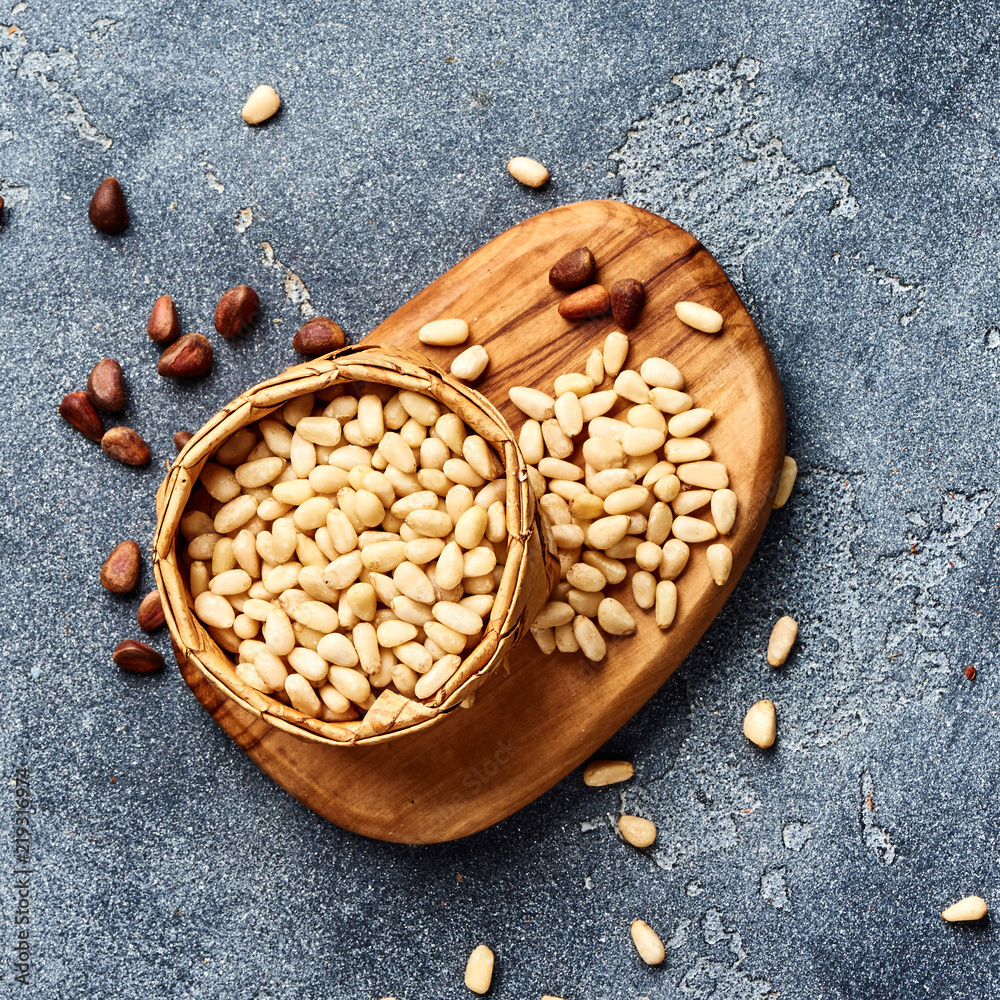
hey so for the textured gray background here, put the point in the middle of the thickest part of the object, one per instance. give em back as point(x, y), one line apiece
point(840, 160)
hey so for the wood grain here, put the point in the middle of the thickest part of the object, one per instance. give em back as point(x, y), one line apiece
point(534, 724)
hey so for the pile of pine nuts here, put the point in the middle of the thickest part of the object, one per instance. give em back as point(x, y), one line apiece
point(645, 479)
point(353, 541)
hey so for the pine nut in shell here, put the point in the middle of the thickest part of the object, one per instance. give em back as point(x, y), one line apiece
point(782, 639)
point(637, 831)
point(607, 772)
point(647, 943)
point(760, 724)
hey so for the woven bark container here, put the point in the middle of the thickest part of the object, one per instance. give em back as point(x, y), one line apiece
point(528, 576)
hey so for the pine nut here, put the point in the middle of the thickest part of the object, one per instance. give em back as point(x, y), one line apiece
point(689, 422)
point(624, 501)
point(666, 603)
point(556, 441)
point(566, 536)
point(308, 663)
point(724, 510)
point(471, 363)
point(689, 449)
point(615, 352)
point(606, 531)
point(789, 471)
point(233, 581)
point(670, 400)
point(236, 448)
point(675, 557)
point(531, 174)
point(637, 831)
point(458, 618)
point(720, 562)
point(612, 570)
point(302, 695)
point(603, 453)
point(214, 610)
point(969, 908)
point(661, 374)
point(545, 639)
point(692, 529)
point(555, 468)
point(332, 698)
point(644, 415)
point(586, 506)
point(437, 676)
point(596, 404)
point(338, 649)
point(352, 684)
point(629, 385)
point(421, 408)
point(479, 968)
point(566, 641)
point(647, 943)
point(366, 643)
point(760, 725)
point(700, 317)
point(710, 475)
point(648, 556)
point(586, 603)
point(444, 332)
point(258, 473)
point(661, 520)
point(554, 613)
point(270, 669)
point(447, 638)
point(595, 367)
point(573, 382)
point(782, 639)
point(294, 492)
point(531, 443)
point(591, 641)
point(261, 105)
point(220, 482)
point(569, 414)
point(625, 549)
point(607, 772)
point(532, 402)
point(690, 500)
point(614, 618)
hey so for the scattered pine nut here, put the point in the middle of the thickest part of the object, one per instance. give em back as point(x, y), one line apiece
point(789, 471)
point(527, 171)
point(700, 317)
point(479, 969)
point(720, 562)
point(615, 351)
point(261, 105)
point(471, 363)
point(637, 831)
point(760, 724)
point(782, 639)
point(444, 332)
point(607, 772)
point(647, 943)
point(969, 908)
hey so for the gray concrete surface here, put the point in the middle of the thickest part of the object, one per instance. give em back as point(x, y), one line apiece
point(840, 160)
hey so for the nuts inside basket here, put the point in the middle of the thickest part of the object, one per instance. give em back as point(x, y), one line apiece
point(350, 548)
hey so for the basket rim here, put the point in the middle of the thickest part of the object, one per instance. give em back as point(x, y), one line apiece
point(507, 623)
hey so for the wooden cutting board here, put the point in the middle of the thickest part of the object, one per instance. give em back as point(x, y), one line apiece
point(533, 725)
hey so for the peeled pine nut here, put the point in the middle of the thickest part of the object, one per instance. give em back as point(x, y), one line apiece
point(666, 604)
point(724, 510)
point(624, 501)
point(720, 562)
point(532, 402)
point(590, 639)
point(614, 618)
point(789, 470)
point(782, 639)
point(528, 172)
point(607, 772)
point(479, 968)
point(435, 678)
point(644, 589)
point(260, 106)
point(444, 332)
point(214, 610)
point(700, 317)
point(595, 367)
point(629, 385)
point(556, 468)
point(709, 475)
point(612, 570)
point(692, 529)
point(545, 639)
point(760, 725)
point(615, 352)
point(530, 442)
point(670, 400)
point(661, 373)
point(596, 404)
point(302, 695)
point(690, 500)
point(554, 613)
point(970, 908)
point(606, 531)
point(689, 422)
point(471, 363)
point(570, 415)
point(566, 641)
point(556, 441)
point(647, 943)
point(690, 449)
point(637, 831)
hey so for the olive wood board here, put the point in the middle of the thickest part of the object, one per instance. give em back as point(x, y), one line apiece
point(541, 719)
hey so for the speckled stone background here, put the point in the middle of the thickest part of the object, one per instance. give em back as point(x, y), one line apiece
point(840, 159)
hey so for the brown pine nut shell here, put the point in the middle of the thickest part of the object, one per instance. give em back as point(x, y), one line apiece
point(529, 575)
